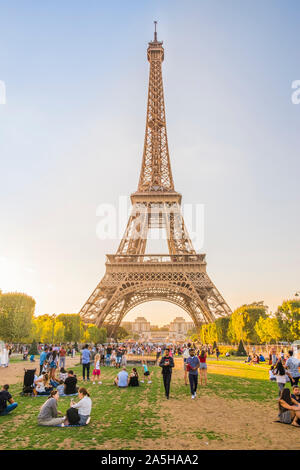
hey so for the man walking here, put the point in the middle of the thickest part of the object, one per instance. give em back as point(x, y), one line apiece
point(167, 363)
point(86, 357)
point(193, 364)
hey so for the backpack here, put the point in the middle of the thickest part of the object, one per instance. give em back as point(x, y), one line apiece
point(73, 416)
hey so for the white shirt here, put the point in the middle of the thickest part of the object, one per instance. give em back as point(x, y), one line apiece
point(84, 406)
point(186, 353)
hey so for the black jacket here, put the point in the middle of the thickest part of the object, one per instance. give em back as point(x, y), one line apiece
point(166, 369)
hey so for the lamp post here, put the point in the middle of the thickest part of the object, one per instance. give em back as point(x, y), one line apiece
point(53, 317)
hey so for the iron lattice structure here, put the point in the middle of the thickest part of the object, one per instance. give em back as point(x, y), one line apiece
point(133, 277)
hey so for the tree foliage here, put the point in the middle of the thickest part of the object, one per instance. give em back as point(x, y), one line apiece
point(242, 323)
point(16, 313)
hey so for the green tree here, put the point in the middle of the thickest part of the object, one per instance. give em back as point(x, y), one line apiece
point(71, 323)
point(33, 348)
point(268, 330)
point(121, 333)
point(222, 328)
point(59, 332)
point(242, 322)
point(97, 335)
point(16, 312)
point(241, 349)
point(288, 316)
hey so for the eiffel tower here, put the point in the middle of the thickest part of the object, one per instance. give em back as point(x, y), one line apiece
point(133, 277)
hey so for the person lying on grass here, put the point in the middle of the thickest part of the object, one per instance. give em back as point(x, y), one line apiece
point(48, 415)
point(5, 397)
point(289, 409)
point(84, 407)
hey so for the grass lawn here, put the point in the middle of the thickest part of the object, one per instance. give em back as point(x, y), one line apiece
point(135, 417)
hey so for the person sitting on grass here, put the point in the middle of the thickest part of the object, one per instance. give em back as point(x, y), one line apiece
point(249, 358)
point(289, 408)
point(70, 383)
point(84, 407)
point(48, 415)
point(43, 385)
point(61, 388)
point(296, 393)
point(122, 378)
point(133, 378)
point(5, 397)
point(146, 372)
point(63, 374)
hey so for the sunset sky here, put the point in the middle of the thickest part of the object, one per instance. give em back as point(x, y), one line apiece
point(72, 131)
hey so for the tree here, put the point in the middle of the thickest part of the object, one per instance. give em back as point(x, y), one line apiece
point(121, 333)
point(268, 329)
point(222, 328)
point(59, 332)
point(96, 335)
point(241, 349)
point(242, 322)
point(71, 322)
point(288, 316)
point(16, 312)
point(33, 348)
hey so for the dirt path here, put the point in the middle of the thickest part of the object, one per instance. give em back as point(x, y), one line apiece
point(14, 373)
point(211, 422)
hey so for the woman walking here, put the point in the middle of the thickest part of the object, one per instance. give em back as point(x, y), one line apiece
point(281, 377)
point(203, 368)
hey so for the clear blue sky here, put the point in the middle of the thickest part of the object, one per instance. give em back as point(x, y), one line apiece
point(76, 77)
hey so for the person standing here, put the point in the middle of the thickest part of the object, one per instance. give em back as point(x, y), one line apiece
point(158, 353)
point(43, 358)
point(193, 364)
point(167, 363)
point(4, 356)
point(108, 355)
point(186, 355)
point(203, 368)
point(62, 357)
point(86, 359)
point(293, 364)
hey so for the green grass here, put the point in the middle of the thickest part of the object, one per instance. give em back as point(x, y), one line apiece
point(127, 418)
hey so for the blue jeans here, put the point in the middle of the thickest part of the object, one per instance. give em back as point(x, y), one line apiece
point(193, 378)
point(82, 419)
point(8, 409)
point(107, 360)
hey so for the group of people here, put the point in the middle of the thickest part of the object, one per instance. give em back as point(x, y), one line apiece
point(123, 379)
point(286, 371)
point(78, 413)
point(65, 383)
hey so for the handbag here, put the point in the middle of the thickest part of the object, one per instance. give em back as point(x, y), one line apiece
point(73, 416)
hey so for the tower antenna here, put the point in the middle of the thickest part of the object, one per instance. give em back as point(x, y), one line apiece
point(155, 33)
